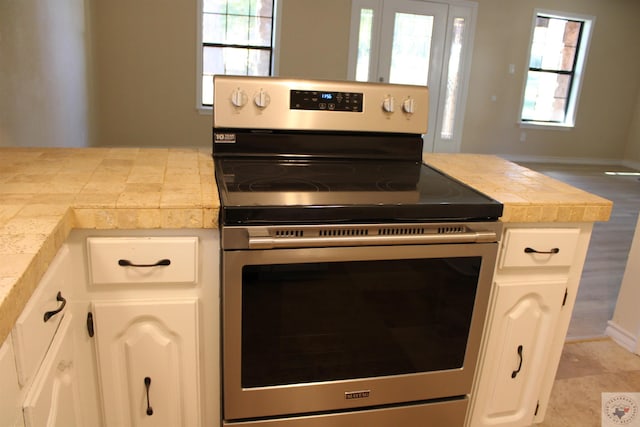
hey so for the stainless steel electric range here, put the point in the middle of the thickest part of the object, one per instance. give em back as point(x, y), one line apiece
point(355, 279)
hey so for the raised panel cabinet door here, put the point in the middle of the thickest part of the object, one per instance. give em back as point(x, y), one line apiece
point(520, 335)
point(53, 399)
point(148, 362)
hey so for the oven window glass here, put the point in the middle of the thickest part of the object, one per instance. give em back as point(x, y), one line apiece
point(340, 320)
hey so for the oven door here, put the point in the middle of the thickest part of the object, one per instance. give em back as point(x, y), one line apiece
point(322, 329)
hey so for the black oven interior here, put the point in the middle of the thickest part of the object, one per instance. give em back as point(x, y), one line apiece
point(327, 321)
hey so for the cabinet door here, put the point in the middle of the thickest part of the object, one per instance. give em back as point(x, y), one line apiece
point(53, 399)
point(520, 335)
point(10, 402)
point(148, 362)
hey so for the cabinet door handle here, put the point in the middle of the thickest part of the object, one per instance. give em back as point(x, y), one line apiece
point(517, 371)
point(147, 384)
point(127, 263)
point(528, 250)
point(49, 314)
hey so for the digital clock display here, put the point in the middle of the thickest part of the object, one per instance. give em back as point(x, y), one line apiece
point(326, 101)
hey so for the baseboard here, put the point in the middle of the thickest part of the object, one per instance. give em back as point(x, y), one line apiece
point(621, 336)
point(569, 160)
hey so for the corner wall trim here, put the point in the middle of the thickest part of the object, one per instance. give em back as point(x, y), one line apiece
point(621, 336)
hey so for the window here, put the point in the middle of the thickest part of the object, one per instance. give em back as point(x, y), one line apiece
point(557, 56)
point(236, 39)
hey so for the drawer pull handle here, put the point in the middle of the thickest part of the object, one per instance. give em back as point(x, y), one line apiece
point(127, 263)
point(147, 384)
point(517, 371)
point(49, 314)
point(534, 251)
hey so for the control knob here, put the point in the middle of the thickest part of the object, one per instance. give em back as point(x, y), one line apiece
point(409, 105)
point(262, 99)
point(239, 98)
point(388, 104)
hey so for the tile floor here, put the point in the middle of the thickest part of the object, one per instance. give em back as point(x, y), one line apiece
point(587, 369)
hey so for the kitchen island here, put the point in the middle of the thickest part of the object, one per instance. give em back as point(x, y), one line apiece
point(46, 193)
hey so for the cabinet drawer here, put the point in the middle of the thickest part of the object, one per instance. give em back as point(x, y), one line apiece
point(539, 247)
point(114, 260)
point(32, 334)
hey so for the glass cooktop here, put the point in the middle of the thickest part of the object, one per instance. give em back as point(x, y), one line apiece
point(270, 191)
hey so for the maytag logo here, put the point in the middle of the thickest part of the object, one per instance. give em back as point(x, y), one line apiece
point(226, 138)
point(356, 394)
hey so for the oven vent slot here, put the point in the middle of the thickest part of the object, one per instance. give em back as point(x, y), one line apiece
point(289, 233)
point(452, 229)
point(401, 231)
point(344, 232)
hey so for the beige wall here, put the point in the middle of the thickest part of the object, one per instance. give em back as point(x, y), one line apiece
point(44, 84)
point(145, 72)
point(314, 39)
point(609, 94)
point(632, 152)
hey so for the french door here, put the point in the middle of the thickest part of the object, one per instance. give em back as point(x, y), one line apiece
point(421, 43)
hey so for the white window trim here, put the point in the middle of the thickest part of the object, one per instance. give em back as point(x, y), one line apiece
point(207, 110)
point(581, 64)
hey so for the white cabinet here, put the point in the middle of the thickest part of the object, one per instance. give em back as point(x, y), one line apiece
point(148, 362)
point(54, 398)
point(522, 325)
point(154, 301)
point(10, 402)
point(535, 285)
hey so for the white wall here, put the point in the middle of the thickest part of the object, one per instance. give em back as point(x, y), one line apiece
point(44, 87)
point(625, 325)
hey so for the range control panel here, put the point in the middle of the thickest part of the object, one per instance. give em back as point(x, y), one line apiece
point(273, 103)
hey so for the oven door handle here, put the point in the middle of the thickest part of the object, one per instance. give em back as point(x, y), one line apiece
point(269, 242)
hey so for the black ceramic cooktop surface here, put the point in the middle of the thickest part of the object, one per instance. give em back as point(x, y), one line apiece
point(271, 191)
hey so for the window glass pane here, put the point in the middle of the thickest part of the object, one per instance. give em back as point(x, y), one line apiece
point(261, 8)
point(237, 30)
point(215, 6)
point(411, 49)
point(260, 31)
point(364, 45)
point(214, 28)
point(259, 62)
point(545, 96)
point(554, 44)
point(207, 90)
point(238, 7)
point(453, 79)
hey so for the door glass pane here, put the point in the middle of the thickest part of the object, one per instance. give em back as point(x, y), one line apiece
point(453, 79)
point(411, 49)
point(364, 45)
point(338, 320)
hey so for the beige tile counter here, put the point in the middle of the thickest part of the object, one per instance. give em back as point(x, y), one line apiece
point(44, 193)
point(528, 196)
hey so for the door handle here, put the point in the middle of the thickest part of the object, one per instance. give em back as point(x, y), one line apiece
point(528, 250)
point(127, 263)
point(517, 371)
point(49, 314)
point(147, 384)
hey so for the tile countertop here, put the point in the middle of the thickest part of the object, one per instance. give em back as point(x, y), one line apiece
point(45, 192)
point(528, 196)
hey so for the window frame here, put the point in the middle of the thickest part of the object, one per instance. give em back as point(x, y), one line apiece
point(579, 66)
point(275, 43)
